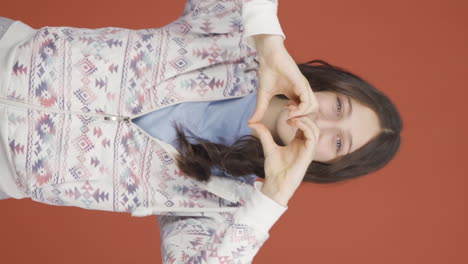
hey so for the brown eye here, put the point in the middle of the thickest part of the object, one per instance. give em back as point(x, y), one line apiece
point(338, 143)
point(339, 105)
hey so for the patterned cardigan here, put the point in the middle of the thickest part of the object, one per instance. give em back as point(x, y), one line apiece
point(70, 98)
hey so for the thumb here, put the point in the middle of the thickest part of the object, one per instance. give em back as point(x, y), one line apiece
point(265, 136)
point(261, 107)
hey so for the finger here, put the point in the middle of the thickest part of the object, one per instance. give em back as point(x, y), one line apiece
point(305, 98)
point(302, 94)
point(263, 99)
point(307, 150)
point(313, 106)
point(291, 108)
point(310, 131)
point(294, 111)
point(311, 126)
point(265, 136)
point(291, 102)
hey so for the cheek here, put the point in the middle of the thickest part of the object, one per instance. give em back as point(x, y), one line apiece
point(322, 100)
point(327, 103)
point(324, 151)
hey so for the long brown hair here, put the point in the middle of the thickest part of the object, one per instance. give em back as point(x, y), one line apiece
point(245, 156)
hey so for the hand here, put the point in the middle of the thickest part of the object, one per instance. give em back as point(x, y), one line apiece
point(286, 166)
point(279, 74)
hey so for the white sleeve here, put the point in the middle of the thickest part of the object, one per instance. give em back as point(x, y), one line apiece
point(261, 212)
point(260, 17)
point(220, 237)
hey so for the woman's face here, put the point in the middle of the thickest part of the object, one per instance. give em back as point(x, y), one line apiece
point(345, 125)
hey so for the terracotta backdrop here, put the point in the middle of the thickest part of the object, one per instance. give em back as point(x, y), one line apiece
point(413, 211)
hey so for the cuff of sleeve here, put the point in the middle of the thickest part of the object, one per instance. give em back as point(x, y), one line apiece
point(260, 211)
point(260, 17)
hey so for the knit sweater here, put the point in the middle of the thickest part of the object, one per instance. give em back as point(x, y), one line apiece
point(66, 102)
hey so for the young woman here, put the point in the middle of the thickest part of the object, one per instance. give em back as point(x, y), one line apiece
point(101, 119)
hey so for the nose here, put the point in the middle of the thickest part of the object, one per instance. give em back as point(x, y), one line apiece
point(313, 116)
point(322, 122)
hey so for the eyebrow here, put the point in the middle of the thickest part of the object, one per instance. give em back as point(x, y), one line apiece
point(350, 111)
point(350, 142)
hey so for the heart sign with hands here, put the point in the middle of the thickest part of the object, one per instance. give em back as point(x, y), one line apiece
point(285, 166)
point(279, 74)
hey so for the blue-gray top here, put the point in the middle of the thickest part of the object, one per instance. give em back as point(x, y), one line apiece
point(221, 121)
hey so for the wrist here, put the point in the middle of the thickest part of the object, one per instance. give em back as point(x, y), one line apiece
point(268, 44)
point(275, 194)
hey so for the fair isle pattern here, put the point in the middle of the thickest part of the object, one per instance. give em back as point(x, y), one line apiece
point(64, 157)
point(217, 238)
point(144, 174)
point(70, 159)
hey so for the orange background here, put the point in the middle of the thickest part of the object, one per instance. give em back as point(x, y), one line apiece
point(413, 211)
